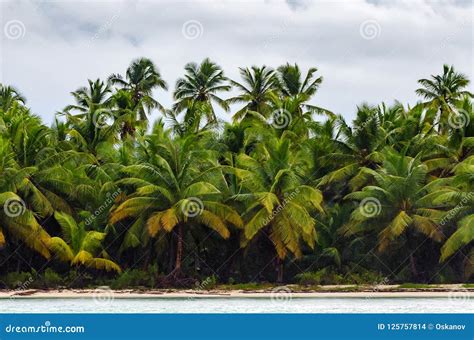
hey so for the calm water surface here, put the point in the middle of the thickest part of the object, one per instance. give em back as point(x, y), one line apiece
point(237, 305)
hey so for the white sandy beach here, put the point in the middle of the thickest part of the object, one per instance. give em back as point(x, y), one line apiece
point(388, 291)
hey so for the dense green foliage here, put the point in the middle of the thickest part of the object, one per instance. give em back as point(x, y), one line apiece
point(288, 191)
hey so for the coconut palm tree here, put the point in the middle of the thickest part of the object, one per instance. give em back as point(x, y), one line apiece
point(291, 84)
point(258, 83)
point(398, 205)
point(458, 191)
point(91, 98)
point(21, 204)
point(277, 202)
point(8, 96)
point(357, 147)
point(123, 108)
point(141, 78)
point(173, 191)
point(442, 92)
point(199, 89)
point(79, 246)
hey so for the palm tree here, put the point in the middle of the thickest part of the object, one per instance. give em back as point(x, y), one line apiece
point(141, 78)
point(21, 204)
point(80, 246)
point(443, 92)
point(96, 96)
point(199, 89)
point(277, 203)
point(172, 190)
point(8, 96)
point(398, 204)
point(258, 83)
point(123, 109)
point(356, 148)
point(458, 191)
point(292, 85)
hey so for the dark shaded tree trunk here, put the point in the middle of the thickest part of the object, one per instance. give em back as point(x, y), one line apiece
point(414, 271)
point(179, 250)
point(171, 252)
point(279, 270)
point(412, 245)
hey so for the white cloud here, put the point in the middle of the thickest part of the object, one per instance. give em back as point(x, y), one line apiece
point(67, 42)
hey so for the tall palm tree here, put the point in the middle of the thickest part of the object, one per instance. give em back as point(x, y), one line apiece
point(277, 203)
point(258, 83)
point(442, 92)
point(96, 95)
point(141, 78)
point(291, 84)
point(200, 88)
point(173, 190)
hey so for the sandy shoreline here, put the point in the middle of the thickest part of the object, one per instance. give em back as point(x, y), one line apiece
point(393, 291)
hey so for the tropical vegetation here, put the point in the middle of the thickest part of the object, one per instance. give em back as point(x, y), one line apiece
point(240, 180)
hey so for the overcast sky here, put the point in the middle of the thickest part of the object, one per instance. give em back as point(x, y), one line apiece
point(366, 50)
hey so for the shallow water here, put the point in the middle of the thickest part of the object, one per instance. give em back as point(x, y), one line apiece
point(109, 304)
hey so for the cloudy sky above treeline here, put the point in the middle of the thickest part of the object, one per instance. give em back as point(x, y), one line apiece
point(366, 50)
